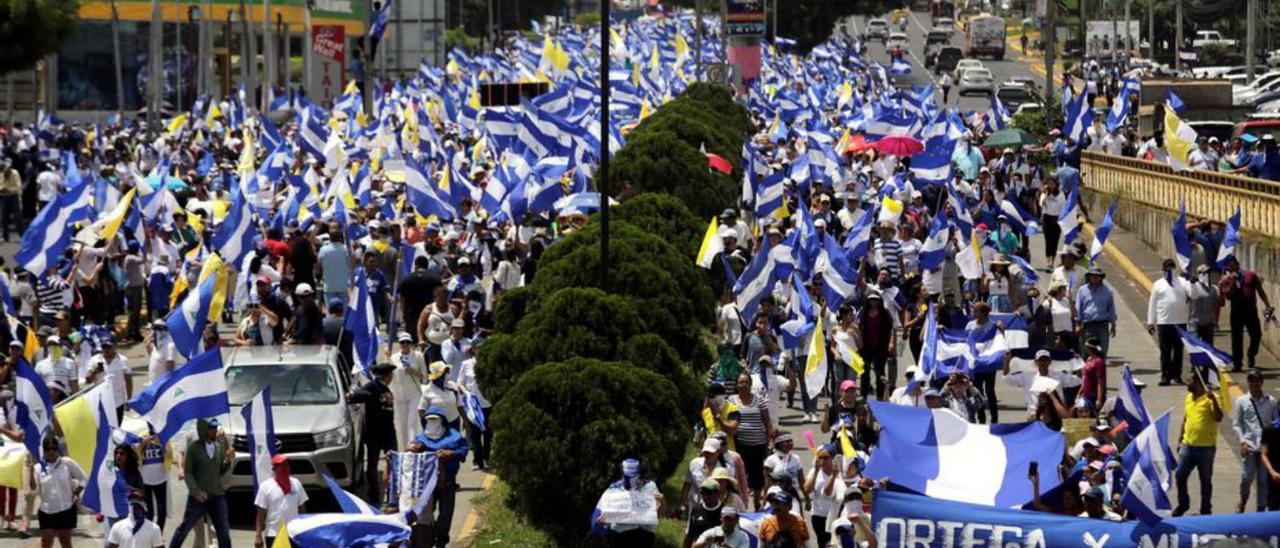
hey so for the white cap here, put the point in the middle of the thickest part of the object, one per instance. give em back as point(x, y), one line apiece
point(303, 289)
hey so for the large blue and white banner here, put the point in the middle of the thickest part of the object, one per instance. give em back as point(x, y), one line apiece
point(902, 519)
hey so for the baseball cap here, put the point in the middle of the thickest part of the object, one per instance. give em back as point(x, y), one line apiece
point(404, 337)
point(303, 289)
point(710, 445)
point(263, 279)
point(279, 459)
point(1043, 354)
point(932, 393)
point(848, 384)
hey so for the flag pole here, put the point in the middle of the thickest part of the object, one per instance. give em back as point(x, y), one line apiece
point(602, 178)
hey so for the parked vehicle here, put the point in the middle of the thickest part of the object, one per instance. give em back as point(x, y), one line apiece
point(898, 40)
point(314, 426)
point(938, 36)
point(985, 36)
point(1013, 95)
point(976, 80)
point(1032, 84)
point(1258, 125)
point(946, 59)
point(965, 64)
point(1211, 37)
point(1244, 95)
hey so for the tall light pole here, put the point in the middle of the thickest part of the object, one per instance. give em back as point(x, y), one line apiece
point(1177, 46)
point(155, 84)
point(1049, 36)
point(115, 54)
point(268, 55)
point(602, 174)
point(1251, 39)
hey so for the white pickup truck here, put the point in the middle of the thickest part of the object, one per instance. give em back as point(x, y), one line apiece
point(1207, 37)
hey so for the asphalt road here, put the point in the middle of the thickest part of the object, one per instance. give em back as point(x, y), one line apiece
point(917, 27)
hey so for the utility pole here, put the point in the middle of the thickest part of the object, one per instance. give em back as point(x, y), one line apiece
point(1251, 40)
point(306, 44)
point(285, 65)
point(248, 55)
point(697, 38)
point(1128, 37)
point(602, 174)
point(1115, 35)
point(1049, 37)
point(268, 56)
point(115, 53)
point(1084, 28)
point(1177, 46)
point(1151, 30)
point(155, 83)
point(366, 86)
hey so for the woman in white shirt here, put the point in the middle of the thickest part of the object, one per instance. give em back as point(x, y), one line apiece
point(910, 250)
point(1051, 203)
point(406, 390)
point(59, 481)
point(440, 392)
point(1063, 314)
point(508, 276)
point(819, 487)
point(480, 440)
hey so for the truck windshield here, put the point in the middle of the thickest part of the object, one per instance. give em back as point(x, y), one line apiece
point(291, 384)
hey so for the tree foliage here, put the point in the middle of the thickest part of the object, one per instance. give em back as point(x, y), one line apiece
point(811, 22)
point(561, 433)
point(31, 29)
point(665, 217)
point(666, 288)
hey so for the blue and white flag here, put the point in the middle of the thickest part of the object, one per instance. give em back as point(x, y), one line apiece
point(1230, 240)
point(839, 274)
point(312, 133)
point(187, 322)
point(932, 451)
point(473, 410)
point(1019, 218)
point(858, 240)
point(235, 235)
point(1078, 118)
point(933, 252)
point(1028, 274)
point(1100, 235)
point(51, 231)
point(260, 434)
point(362, 322)
point(1069, 218)
point(340, 530)
point(1149, 466)
point(1175, 102)
point(1182, 241)
point(348, 502)
point(1129, 406)
point(998, 117)
point(379, 26)
point(411, 480)
point(928, 359)
point(33, 407)
point(756, 281)
point(422, 193)
point(106, 492)
point(1119, 112)
point(1209, 362)
point(197, 390)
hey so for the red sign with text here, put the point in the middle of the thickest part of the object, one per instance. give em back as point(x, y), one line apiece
point(329, 62)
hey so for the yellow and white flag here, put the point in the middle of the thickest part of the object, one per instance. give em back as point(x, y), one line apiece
point(109, 224)
point(815, 368)
point(848, 354)
point(711, 244)
point(1179, 140)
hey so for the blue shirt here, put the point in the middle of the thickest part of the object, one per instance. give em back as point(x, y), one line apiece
point(1265, 165)
point(334, 261)
point(1096, 305)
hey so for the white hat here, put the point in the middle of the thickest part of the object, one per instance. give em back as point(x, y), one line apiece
point(820, 223)
point(303, 289)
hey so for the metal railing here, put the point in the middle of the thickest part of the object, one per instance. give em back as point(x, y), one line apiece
point(1208, 194)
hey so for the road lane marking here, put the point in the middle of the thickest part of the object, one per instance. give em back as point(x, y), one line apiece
point(473, 517)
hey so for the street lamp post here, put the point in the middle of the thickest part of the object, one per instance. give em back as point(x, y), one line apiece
point(195, 16)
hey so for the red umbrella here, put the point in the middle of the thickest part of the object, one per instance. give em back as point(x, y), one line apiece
point(899, 145)
point(858, 144)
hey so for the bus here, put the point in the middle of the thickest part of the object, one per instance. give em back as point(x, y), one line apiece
point(985, 36)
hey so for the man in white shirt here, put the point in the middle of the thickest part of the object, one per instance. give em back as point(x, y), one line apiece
point(1201, 158)
point(1041, 381)
point(1114, 143)
point(48, 184)
point(280, 499)
point(114, 367)
point(57, 367)
point(1167, 311)
point(135, 530)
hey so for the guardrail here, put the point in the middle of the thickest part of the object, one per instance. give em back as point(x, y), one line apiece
point(1208, 194)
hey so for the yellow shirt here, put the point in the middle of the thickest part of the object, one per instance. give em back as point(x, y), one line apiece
point(713, 423)
point(1200, 428)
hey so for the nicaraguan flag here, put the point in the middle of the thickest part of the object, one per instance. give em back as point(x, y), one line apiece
point(1069, 218)
point(106, 492)
point(1230, 240)
point(839, 274)
point(197, 390)
point(1181, 241)
point(928, 359)
point(363, 324)
point(379, 26)
point(51, 231)
point(1129, 406)
point(1019, 218)
point(858, 240)
point(1100, 235)
point(1028, 273)
point(998, 117)
point(312, 134)
point(235, 235)
point(349, 503)
point(34, 405)
point(756, 281)
point(1078, 118)
point(932, 451)
point(340, 530)
point(1119, 110)
point(934, 250)
point(187, 321)
point(1149, 465)
point(422, 193)
point(260, 434)
point(475, 413)
point(1175, 102)
point(1211, 363)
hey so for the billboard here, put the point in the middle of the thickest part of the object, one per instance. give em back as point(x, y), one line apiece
point(328, 63)
point(744, 17)
point(1098, 35)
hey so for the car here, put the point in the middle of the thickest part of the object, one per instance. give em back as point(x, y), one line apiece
point(1032, 84)
point(1213, 128)
point(1211, 37)
point(1273, 58)
point(1257, 125)
point(898, 39)
point(944, 23)
point(965, 64)
point(877, 28)
point(1028, 107)
point(937, 36)
point(315, 427)
point(1012, 95)
point(1244, 95)
point(976, 80)
point(946, 59)
point(1217, 72)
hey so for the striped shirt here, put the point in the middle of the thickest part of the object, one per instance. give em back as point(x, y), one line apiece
point(751, 428)
point(51, 293)
point(888, 251)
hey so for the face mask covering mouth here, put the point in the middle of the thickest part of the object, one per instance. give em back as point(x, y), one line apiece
point(434, 428)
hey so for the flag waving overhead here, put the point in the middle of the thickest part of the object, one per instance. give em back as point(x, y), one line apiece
point(187, 321)
point(107, 492)
point(711, 244)
point(81, 422)
point(34, 405)
point(363, 324)
point(196, 390)
point(815, 368)
point(1210, 364)
point(1129, 405)
point(260, 434)
point(1230, 239)
point(1100, 235)
point(1181, 240)
point(1179, 140)
point(933, 451)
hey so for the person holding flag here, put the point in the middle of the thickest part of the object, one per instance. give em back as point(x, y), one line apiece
point(1197, 445)
point(1243, 288)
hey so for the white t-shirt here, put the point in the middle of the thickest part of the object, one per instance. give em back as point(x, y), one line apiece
point(116, 372)
point(122, 535)
point(279, 506)
point(164, 351)
point(47, 183)
point(730, 324)
point(1027, 380)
